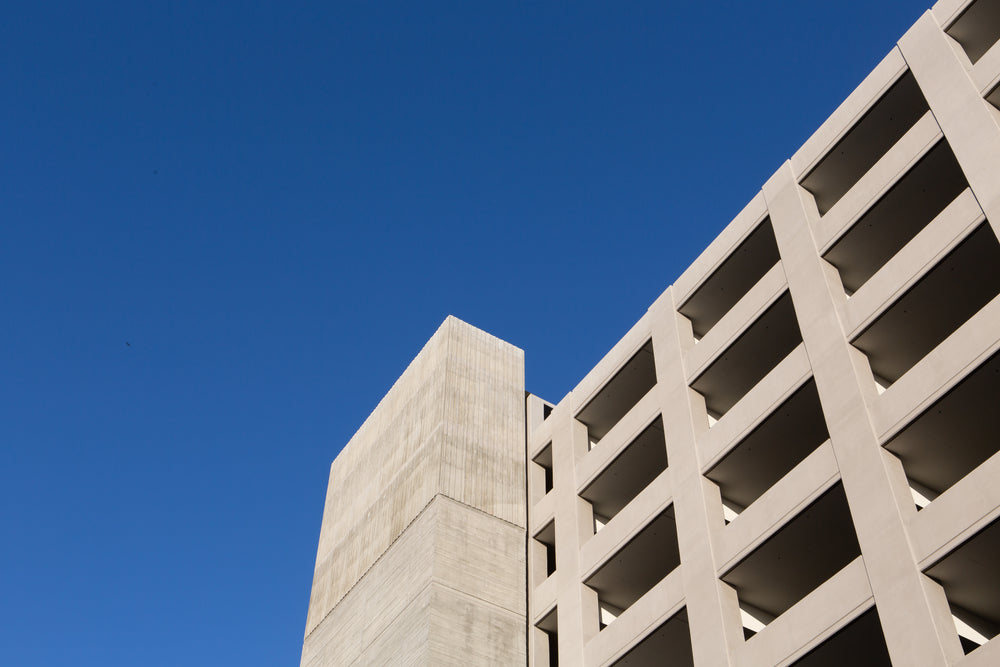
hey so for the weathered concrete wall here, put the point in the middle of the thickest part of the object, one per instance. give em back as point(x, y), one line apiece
point(398, 579)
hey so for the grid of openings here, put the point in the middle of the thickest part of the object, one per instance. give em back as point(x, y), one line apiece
point(910, 261)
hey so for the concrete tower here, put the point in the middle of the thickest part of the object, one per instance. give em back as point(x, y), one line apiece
point(421, 557)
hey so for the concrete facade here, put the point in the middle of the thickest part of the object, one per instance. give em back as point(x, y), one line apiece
point(789, 459)
point(424, 518)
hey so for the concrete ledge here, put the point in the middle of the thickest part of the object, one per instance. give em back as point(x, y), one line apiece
point(658, 604)
point(934, 375)
point(633, 518)
point(847, 114)
point(755, 407)
point(719, 250)
point(958, 513)
point(617, 439)
point(611, 363)
point(917, 141)
point(543, 598)
point(986, 72)
point(910, 264)
point(987, 655)
point(739, 317)
point(946, 11)
point(541, 513)
point(837, 602)
point(806, 482)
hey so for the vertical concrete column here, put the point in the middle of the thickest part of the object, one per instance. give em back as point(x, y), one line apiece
point(576, 605)
point(912, 609)
point(966, 119)
point(712, 607)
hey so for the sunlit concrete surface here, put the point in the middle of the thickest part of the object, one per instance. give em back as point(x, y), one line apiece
point(421, 556)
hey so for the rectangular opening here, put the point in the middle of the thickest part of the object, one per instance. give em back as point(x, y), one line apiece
point(915, 200)
point(977, 29)
point(970, 576)
point(672, 638)
point(541, 472)
point(620, 394)
point(638, 566)
point(547, 640)
point(628, 474)
point(953, 436)
point(737, 274)
point(544, 552)
point(950, 293)
point(860, 642)
point(864, 144)
point(760, 348)
point(812, 547)
point(782, 441)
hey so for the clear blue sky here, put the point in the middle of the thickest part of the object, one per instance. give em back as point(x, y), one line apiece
point(227, 228)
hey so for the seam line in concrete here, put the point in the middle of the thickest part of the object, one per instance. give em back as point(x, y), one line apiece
point(376, 561)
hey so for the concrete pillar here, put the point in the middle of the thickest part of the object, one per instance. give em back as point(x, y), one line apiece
point(913, 621)
point(968, 122)
point(576, 605)
point(712, 607)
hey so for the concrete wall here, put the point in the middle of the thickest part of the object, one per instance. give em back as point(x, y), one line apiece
point(428, 493)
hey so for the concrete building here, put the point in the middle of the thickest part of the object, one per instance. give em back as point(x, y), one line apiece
point(789, 459)
point(422, 549)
